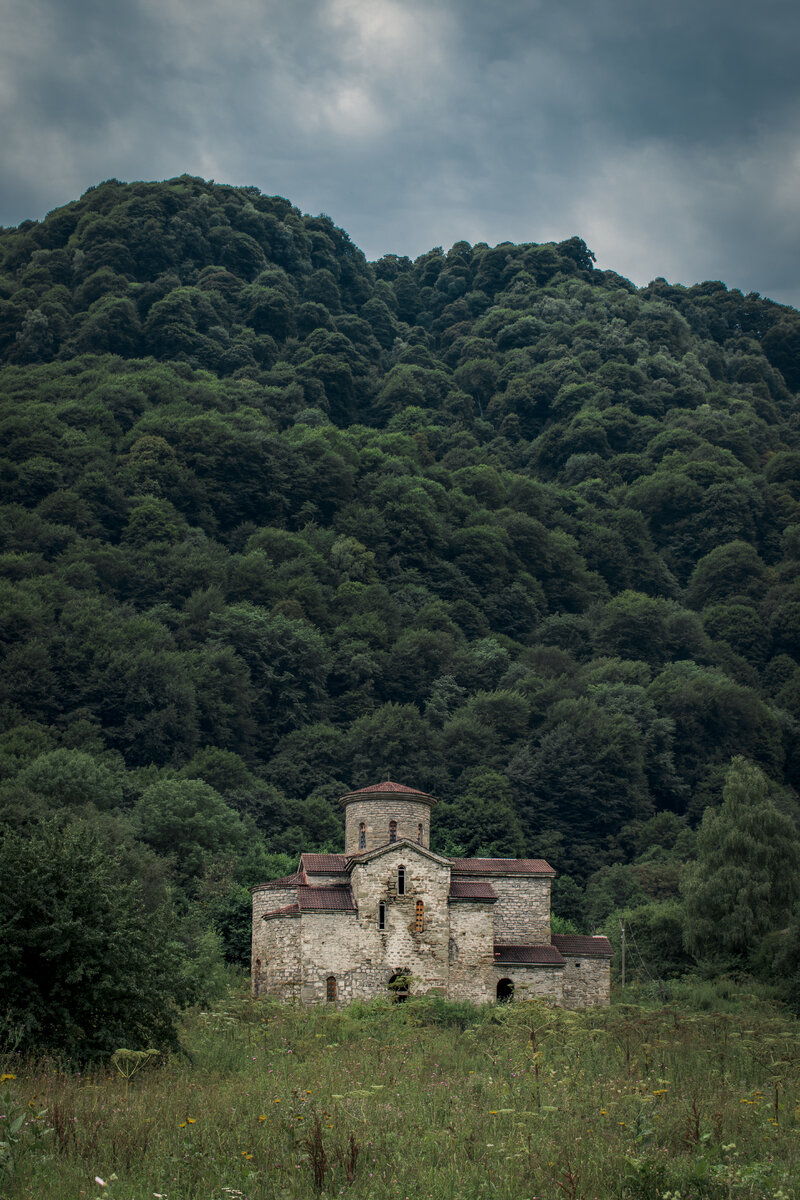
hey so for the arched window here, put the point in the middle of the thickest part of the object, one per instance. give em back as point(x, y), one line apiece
point(419, 834)
point(401, 881)
point(419, 920)
point(381, 915)
point(398, 987)
point(330, 988)
point(362, 836)
point(505, 990)
point(393, 831)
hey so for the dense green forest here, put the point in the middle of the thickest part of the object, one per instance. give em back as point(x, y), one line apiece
point(277, 521)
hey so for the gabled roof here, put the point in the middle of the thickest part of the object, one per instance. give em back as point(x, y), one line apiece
point(324, 864)
point(578, 943)
point(501, 866)
point(542, 956)
point(326, 899)
point(388, 787)
point(405, 844)
point(462, 889)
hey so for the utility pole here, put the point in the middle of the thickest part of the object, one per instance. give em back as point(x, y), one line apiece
point(622, 930)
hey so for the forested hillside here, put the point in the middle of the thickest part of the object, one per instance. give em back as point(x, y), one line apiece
point(278, 521)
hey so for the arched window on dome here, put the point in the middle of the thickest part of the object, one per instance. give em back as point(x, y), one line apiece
point(362, 836)
point(393, 831)
point(419, 834)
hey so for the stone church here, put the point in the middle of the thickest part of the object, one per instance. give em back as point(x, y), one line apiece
point(390, 917)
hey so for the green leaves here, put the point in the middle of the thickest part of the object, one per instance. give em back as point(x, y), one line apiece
point(85, 966)
point(747, 876)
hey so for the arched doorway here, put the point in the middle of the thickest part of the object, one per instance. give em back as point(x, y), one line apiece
point(505, 990)
point(398, 987)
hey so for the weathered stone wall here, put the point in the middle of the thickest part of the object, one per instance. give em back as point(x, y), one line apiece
point(262, 942)
point(377, 812)
point(276, 958)
point(587, 981)
point(544, 983)
point(471, 951)
point(330, 944)
point(399, 947)
point(522, 912)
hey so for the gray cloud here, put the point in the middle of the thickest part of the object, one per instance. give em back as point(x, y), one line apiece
point(665, 135)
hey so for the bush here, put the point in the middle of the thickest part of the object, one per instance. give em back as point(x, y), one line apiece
point(85, 967)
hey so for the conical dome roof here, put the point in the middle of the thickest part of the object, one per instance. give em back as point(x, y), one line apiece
point(388, 787)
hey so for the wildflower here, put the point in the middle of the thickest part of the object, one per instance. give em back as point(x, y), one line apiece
point(246, 1155)
point(263, 1117)
point(277, 1102)
point(191, 1121)
point(3, 1078)
point(100, 1182)
point(182, 1125)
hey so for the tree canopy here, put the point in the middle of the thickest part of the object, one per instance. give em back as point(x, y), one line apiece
point(276, 520)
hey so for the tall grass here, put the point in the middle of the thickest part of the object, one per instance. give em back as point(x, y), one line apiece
point(424, 1100)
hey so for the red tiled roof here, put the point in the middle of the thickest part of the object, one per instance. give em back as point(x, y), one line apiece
point(388, 787)
point(501, 866)
point(545, 956)
point(462, 889)
point(324, 864)
point(339, 899)
point(286, 881)
point(288, 910)
point(578, 943)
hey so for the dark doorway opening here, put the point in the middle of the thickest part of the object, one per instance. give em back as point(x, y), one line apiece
point(398, 987)
point(505, 991)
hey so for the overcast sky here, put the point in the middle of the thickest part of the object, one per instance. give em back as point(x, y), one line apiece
point(666, 133)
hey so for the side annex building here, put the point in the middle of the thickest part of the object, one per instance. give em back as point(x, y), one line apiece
point(391, 917)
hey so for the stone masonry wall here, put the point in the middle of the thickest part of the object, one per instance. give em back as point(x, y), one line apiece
point(263, 938)
point(376, 813)
point(587, 981)
point(471, 951)
point(276, 958)
point(522, 912)
point(330, 944)
point(399, 947)
point(546, 983)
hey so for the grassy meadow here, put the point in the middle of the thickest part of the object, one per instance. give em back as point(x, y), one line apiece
point(424, 1100)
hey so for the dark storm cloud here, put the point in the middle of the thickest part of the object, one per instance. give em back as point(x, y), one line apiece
point(666, 135)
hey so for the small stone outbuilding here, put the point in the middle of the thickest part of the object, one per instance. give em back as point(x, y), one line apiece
point(391, 917)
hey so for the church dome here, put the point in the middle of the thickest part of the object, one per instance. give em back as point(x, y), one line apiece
point(382, 813)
